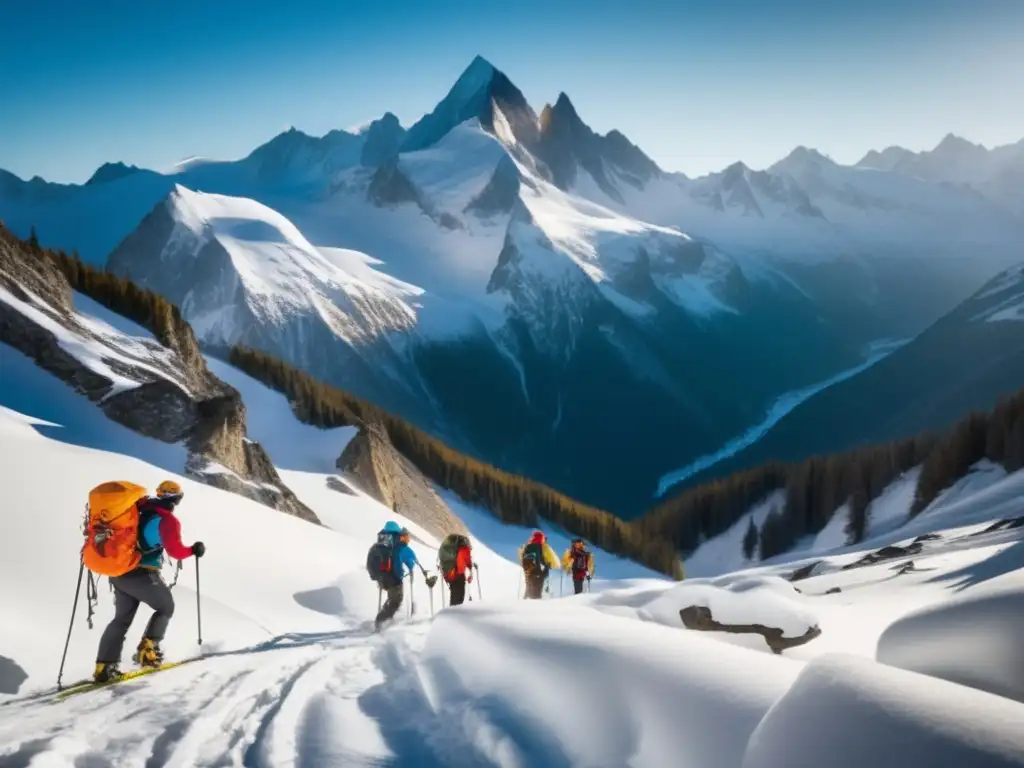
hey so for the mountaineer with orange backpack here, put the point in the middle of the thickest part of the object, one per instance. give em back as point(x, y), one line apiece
point(127, 533)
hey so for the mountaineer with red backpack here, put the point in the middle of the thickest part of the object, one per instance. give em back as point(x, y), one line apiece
point(578, 561)
point(127, 533)
point(455, 562)
point(385, 562)
point(537, 559)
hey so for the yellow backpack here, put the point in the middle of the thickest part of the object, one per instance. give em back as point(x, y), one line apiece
point(112, 528)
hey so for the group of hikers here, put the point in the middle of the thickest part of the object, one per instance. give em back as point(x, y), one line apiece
point(128, 531)
point(391, 560)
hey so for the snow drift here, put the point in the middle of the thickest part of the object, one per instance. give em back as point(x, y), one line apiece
point(861, 713)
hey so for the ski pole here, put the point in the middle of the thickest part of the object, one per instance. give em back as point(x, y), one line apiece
point(199, 615)
point(561, 583)
point(380, 596)
point(74, 607)
point(479, 589)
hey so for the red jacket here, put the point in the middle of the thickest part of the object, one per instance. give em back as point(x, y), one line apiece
point(169, 529)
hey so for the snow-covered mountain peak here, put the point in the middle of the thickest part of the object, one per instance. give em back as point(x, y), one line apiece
point(476, 76)
point(480, 92)
point(237, 267)
point(886, 160)
point(954, 145)
point(294, 158)
point(387, 119)
point(802, 160)
point(579, 158)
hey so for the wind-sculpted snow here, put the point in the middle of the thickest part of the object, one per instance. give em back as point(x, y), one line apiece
point(268, 272)
point(989, 620)
point(455, 170)
point(125, 360)
point(293, 678)
point(862, 713)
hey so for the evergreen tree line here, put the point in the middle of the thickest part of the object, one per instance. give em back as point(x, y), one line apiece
point(811, 491)
point(512, 498)
point(119, 294)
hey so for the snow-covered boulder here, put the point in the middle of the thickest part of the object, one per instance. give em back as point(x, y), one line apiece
point(848, 712)
point(765, 605)
point(975, 639)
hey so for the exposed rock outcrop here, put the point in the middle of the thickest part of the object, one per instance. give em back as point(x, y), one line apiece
point(389, 186)
point(501, 191)
point(172, 397)
point(373, 465)
point(882, 554)
point(383, 139)
point(699, 618)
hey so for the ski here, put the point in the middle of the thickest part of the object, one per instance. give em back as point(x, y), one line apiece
point(92, 686)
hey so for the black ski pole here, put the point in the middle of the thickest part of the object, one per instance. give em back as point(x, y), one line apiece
point(199, 613)
point(71, 624)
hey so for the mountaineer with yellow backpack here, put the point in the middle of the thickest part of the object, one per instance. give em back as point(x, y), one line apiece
point(127, 533)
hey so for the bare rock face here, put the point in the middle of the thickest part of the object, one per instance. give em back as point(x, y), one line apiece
point(372, 464)
point(177, 399)
point(389, 187)
point(501, 192)
point(699, 617)
point(886, 553)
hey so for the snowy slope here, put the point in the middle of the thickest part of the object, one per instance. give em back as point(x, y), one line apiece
point(268, 273)
point(293, 680)
point(984, 494)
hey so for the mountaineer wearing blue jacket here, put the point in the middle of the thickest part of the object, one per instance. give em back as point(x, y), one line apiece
point(388, 562)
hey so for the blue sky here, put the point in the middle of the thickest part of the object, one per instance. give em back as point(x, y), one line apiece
point(696, 84)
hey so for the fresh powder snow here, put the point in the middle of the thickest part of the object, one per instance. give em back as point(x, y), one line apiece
point(293, 678)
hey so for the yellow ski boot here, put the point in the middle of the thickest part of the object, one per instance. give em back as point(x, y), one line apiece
point(148, 654)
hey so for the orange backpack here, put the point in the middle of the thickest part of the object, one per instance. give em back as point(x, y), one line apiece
point(112, 528)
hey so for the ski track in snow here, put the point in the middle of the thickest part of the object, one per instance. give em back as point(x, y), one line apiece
point(285, 710)
point(293, 677)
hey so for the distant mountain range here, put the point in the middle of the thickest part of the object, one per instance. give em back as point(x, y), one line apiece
point(537, 294)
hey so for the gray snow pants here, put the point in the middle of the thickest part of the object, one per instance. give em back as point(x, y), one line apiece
point(139, 586)
point(392, 604)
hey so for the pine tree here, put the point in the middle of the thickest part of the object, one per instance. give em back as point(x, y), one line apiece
point(750, 540)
